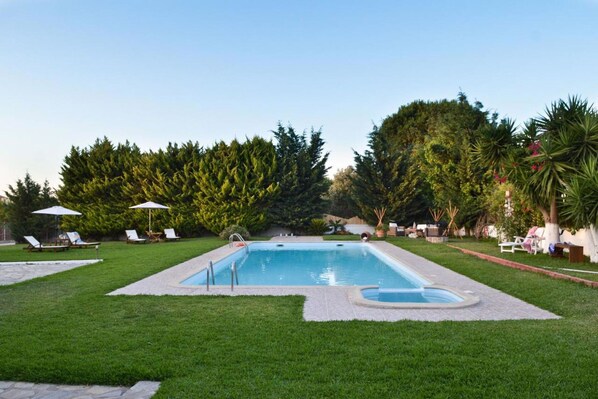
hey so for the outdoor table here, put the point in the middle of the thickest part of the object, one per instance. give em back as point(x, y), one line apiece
point(153, 236)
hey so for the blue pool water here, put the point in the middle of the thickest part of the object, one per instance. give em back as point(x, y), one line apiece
point(421, 295)
point(303, 264)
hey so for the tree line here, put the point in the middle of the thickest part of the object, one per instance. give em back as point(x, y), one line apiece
point(254, 183)
point(428, 155)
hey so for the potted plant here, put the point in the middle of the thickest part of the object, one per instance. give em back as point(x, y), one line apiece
point(381, 228)
point(435, 231)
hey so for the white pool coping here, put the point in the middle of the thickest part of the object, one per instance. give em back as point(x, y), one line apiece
point(335, 303)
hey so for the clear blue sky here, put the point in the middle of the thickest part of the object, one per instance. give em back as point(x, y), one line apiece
point(154, 72)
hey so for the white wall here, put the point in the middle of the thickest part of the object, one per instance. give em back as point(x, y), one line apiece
point(579, 238)
point(360, 228)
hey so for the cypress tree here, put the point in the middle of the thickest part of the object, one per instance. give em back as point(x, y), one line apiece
point(302, 178)
point(236, 185)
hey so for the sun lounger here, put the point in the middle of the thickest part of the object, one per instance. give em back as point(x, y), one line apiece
point(133, 238)
point(35, 245)
point(530, 243)
point(75, 241)
point(170, 235)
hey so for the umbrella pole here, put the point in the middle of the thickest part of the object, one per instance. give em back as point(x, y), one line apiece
point(150, 220)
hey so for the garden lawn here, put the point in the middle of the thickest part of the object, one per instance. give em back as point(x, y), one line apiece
point(543, 261)
point(64, 329)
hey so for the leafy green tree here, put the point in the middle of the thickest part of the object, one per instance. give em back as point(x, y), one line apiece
point(422, 154)
point(236, 185)
point(301, 176)
point(24, 198)
point(341, 193)
point(93, 181)
point(518, 219)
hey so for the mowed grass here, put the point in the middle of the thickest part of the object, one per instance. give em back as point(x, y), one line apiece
point(559, 265)
point(64, 329)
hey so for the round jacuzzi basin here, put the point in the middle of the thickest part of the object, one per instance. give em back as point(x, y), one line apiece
point(422, 295)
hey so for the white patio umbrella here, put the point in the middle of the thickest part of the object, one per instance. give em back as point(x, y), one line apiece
point(149, 206)
point(57, 211)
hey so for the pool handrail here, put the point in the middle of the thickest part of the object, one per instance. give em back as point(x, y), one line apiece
point(232, 237)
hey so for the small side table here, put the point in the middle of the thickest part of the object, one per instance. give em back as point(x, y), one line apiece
point(575, 252)
point(153, 236)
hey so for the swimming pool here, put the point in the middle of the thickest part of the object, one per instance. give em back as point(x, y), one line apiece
point(305, 264)
point(378, 280)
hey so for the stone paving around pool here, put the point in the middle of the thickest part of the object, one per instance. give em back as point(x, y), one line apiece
point(28, 390)
point(15, 272)
point(333, 303)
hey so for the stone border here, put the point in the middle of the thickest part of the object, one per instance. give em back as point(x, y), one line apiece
point(356, 297)
point(333, 303)
point(528, 268)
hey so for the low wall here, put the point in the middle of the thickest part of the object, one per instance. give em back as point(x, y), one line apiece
point(360, 228)
point(579, 238)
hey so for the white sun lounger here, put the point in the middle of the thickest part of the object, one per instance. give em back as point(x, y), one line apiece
point(530, 243)
point(170, 235)
point(76, 241)
point(133, 238)
point(35, 245)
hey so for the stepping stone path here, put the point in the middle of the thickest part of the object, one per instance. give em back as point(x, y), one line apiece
point(28, 390)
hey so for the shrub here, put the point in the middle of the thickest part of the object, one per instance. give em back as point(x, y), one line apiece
point(234, 228)
point(318, 227)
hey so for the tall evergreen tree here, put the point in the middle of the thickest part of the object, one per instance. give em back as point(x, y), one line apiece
point(384, 179)
point(236, 185)
point(93, 181)
point(28, 196)
point(301, 176)
point(166, 177)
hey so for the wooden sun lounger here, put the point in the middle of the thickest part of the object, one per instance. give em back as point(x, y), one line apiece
point(75, 241)
point(35, 245)
point(133, 238)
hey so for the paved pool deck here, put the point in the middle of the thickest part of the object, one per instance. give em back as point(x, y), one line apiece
point(29, 390)
point(15, 272)
point(335, 304)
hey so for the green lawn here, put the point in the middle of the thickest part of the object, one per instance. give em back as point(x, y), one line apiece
point(490, 247)
point(64, 329)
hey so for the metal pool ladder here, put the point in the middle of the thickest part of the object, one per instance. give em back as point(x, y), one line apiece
point(231, 240)
point(234, 275)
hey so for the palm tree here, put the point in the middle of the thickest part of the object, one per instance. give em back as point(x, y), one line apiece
point(542, 160)
point(580, 204)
